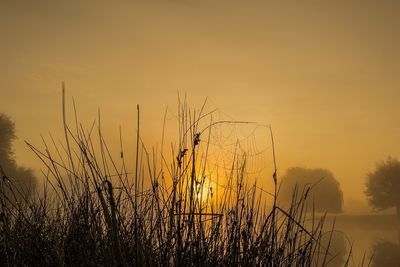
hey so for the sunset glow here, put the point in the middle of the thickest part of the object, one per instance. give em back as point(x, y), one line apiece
point(158, 92)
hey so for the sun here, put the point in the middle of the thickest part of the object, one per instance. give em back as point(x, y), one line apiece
point(204, 189)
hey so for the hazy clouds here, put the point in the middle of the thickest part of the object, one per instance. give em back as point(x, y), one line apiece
point(324, 73)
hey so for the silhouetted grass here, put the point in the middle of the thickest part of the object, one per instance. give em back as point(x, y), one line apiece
point(94, 213)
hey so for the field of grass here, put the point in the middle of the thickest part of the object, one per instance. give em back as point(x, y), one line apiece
point(93, 212)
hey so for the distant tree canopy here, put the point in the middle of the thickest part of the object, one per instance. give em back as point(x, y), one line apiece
point(383, 185)
point(7, 135)
point(20, 177)
point(324, 190)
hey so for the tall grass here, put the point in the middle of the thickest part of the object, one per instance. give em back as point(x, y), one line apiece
point(93, 212)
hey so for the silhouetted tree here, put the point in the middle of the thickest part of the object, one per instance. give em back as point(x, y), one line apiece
point(322, 189)
point(13, 176)
point(7, 135)
point(383, 185)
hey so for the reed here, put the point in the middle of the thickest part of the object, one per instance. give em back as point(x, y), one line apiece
point(93, 212)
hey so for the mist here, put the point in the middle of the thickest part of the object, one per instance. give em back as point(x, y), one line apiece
point(323, 75)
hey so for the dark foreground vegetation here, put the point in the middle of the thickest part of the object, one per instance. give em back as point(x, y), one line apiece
point(93, 212)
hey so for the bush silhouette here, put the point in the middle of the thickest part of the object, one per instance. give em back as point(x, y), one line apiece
point(386, 254)
point(323, 189)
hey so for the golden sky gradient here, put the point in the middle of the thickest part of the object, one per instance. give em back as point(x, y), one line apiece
point(325, 74)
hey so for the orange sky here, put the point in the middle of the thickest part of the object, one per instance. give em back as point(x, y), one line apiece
point(324, 73)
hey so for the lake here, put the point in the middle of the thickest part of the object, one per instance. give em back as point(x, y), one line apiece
point(364, 232)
